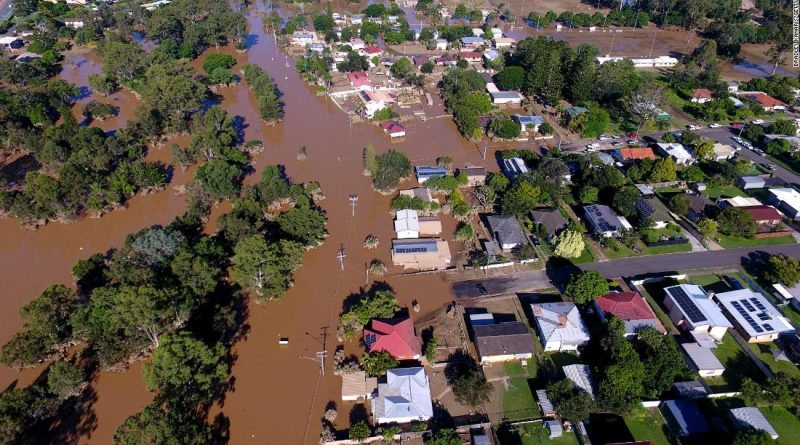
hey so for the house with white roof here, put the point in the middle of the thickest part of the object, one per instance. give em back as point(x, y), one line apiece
point(560, 326)
point(790, 294)
point(528, 122)
point(406, 224)
point(737, 201)
point(676, 151)
point(404, 397)
point(604, 220)
point(303, 38)
point(514, 167)
point(723, 152)
point(503, 42)
point(581, 376)
point(755, 318)
point(11, 42)
point(690, 308)
point(787, 200)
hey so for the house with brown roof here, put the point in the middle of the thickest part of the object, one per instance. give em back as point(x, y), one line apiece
point(628, 154)
point(767, 102)
point(476, 176)
point(502, 342)
point(631, 308)
point(702, 95)
point(421, 254)
point(470, 56)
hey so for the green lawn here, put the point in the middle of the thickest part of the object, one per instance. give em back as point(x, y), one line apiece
point(619, 251)
point(563, 358)
point(732, 242)
point(738, 365)
point(662, 316)
point(647, 424)
point(785, 423)
point(723, 191)
point(586, 256)
point(529, 437)
point(672, 248)
point(792, 314)
point(518, 400)
point(764, 351)
point(713, 283)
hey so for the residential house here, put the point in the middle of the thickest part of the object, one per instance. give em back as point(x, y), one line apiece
point(490, 55)
point(74, 23)
point(787, 200)
point(604, 221)
point(303, 38)
point(551, 219)
point(503, 42)
point(374, 101)
point(357, 19)
point(394, 129)
point(790, 295)
point(691, 389)
point(581, 376)
point(755, 318)
point(628, 154)
point(752, 418)
point(356, 385)
point(631, 308)
point(441, 45)
point(527, 122)
point(357, 44)
point(10, 42)
point(723, 152)
point(767, 102)
point(794, 141)
point(697, 207)
point(404, 397)
point(505, 229)
point(645, 190)
point(420, 60)
point(421, 254)
point(676, 151)
point(359, 80)
point(514, 167)
point(751, 182)
point(472, 42)
point(703, 360)
point(477, 32)
point(690, 308)
point(654, 210)
point(702, 95)
point(737, 201)
point(476, 176)
point(572, 112)
point(560, 326)
point(764, 215)
point(317, 47)
point(503, 342)
point(406, 224)
point(395, 336)
point(603, 59)
point(430, 225)
point(422, 193)
point(371, 51)
point(733, 87)
point(27, 57)
point(470, 56)
point(425, 172)
point(446, 60)
point(503, 97)
point(683, 417)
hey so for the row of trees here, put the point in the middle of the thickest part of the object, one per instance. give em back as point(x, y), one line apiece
point(269, 106)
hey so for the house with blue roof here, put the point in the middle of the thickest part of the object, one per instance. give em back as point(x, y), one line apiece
point(528, 122)
point(426, 172)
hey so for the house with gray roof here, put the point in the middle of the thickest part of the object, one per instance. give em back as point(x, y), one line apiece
point(751, 182)
point(560, 326)
point(505, 229)
point(751, 417)
point(581, 376)
point(551, 219)
point(703, 360)
point(691, 309)
point(502, 342)
point(683, 417)
point(528, 122)
point(404, 397)
point(604, 221)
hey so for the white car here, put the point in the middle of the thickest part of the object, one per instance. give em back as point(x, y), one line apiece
point(693, 127)
point(714, 125)
point(758, 121)
point(592, 147)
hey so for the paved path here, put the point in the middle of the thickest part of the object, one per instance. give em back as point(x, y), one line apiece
point(541, 279)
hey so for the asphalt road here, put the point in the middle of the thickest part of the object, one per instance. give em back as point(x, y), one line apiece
point(626, 267)
point(6, 9)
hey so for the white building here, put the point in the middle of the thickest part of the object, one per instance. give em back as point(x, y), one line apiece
point(406, 224)
point(303, 38)
point(754, 317)
point(692, 309)
point(676, 151)
point(560, 326)
point(74, 23)
point(751, 417)
point(787, 200)
point(441, 44)
point(404, 398)
point(703, 360)
point(514, 167)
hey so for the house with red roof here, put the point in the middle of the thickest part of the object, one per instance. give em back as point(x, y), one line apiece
point(470, 56)
point(627, 154)
point(763, 215)
point(702, 95)
point(394, 129)
point(767, 102)
point(372, 51)
point(631, 308)
point(395, 336)
point(359, 80)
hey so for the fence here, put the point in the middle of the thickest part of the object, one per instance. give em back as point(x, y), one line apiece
point(668, 242)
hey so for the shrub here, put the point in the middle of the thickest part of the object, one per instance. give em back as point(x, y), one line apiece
point(215, 61)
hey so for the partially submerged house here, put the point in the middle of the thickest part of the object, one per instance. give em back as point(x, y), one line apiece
point(631, 308)
point(560, 326)
point(528, 122)
point(502, 342)
point(703, 360)
point(424, 172)
point(404, 397)
point(691, 309)
point(505, 229)
point(406, 224)
point(422, 254)
point(393, 128)
point(755, 318)
point(395, 336)
point(422, 193)
point(476, 176)
point(604, 221)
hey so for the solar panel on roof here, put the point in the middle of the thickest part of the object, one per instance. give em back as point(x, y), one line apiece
point(763, 316)
point(685, 302)
point(767, 326)
point(370, 340)
point(748, 306)
point(758, 304)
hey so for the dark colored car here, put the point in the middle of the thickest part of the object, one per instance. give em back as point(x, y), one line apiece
point(482, 289)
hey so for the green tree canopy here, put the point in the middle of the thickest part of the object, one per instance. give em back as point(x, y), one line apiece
point(783, 269)
point(585, 286)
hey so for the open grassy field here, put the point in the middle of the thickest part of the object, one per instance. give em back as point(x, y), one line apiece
point(738, 365)
point(732, 242)
point(529, 437)
point(518, 400)
point(785, 423)
point(764, 351)
point(723, 191)
point(648, 424)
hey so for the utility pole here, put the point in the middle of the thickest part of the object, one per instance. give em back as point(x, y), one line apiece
point(320, 356)
point(340, 256)
point(353, 202)
point(484, 151)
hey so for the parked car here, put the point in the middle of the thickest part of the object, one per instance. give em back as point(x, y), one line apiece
point(714, 125)
point(693, 127)
point(482, 289)
point(593, 146)
point(758, 121)
point(616, 143)
point(603, 138)
point(768, 166)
